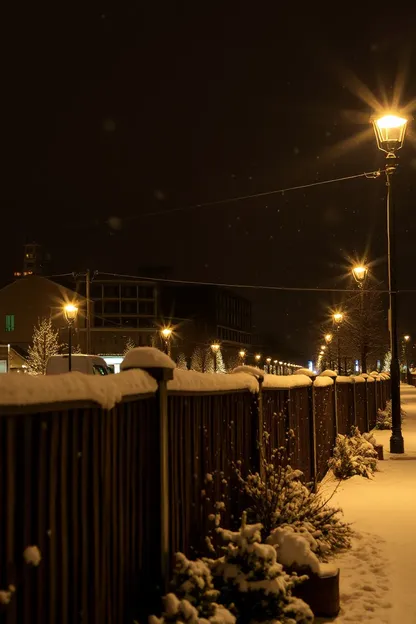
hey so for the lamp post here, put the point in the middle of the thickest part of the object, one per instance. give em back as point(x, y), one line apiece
point(338, 317)
point(166, 334)
point(275, 366)
point(268, 362)
point(360, 273)
point(71, 312)
point(390, 131)
point(242, 355)
point(215, 347)
point(406, 346)
point(257, 358)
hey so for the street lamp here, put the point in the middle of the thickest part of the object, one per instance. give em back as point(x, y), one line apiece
point(328, 338)
point(338, 317)
point(257, 357)
point(360, 275)
point(166, 333)
point(275, 366)
point(406, 346)
point(215, 347)
point(390, 132)
point(242, 355)
point(71, 312)
point(268, 362)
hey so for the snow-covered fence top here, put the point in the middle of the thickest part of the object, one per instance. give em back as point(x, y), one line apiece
point(106, 391)
point(192, 381)
point(288, 382)
point(322, 382)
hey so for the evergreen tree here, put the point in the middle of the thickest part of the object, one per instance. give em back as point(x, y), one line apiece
point(181, 362)
point(220, 366)
point(45, 344)
point(197, 360)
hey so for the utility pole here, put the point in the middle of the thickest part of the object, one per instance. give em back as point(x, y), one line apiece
point(88, 319)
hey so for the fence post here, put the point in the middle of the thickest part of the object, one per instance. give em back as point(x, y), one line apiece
point(367, 418)
point(354, 402)
point(312, 432)
point(162, 376)
point(260, 425)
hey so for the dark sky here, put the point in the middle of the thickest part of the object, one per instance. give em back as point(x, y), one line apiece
point(113, 110)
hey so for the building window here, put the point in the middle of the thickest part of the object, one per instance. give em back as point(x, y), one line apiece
point(9, 322)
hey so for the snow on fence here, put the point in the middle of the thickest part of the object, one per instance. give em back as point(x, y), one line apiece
point(110, 476)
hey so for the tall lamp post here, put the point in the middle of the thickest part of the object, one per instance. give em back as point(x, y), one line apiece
point(390, 131)
point(71, 312)
point(360, 273)
point(166, 334)
point(338, 317)
point(215, 347)
point(406, 346)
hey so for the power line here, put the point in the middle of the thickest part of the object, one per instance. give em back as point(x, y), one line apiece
point(217, 202)
point(247, 286)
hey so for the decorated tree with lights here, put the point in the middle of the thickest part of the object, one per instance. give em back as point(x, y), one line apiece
point(45, 343)
point(130, 344)
point(197, 360)
point(182, 362)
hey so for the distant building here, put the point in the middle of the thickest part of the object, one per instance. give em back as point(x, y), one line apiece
point(34, 260)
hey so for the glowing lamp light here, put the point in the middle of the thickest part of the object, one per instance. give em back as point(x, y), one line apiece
point(268, 360)
point(406, 338)
point(275, 362)
point(215, 347)
point(338, 317)
point(323, 347)
point(257, 357)
point(166, 333)
point(71, 312)
point(359, 273)
point(328, 338)
point(242, 354)
point(390, 131)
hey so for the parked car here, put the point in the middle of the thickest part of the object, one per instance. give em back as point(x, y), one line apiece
point(88, 364)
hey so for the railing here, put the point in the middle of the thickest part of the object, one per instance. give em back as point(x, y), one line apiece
point(84, 483)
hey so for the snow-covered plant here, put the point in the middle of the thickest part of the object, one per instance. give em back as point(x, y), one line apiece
point(183, 612)
point(197, 360)
point(182, 362)
point(219, 362)
point(278, 498)
point(45, 344)
point(353, 455)
point(130, 344)
point(387, 362)
point(384, 417)
point(252, 584)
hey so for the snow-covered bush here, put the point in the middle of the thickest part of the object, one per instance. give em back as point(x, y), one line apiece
point(353, 455)
point(183, 612)
point(384, 418)
point(252, 583)
point(279, 498)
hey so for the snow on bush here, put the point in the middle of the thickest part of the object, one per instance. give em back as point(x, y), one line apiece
point(353, 455)
point(384, 418)
point(293, 549)
point(251, 581)
point(32, 555)
point(279, 498)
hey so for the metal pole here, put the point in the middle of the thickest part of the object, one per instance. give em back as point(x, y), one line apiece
point(396, 440)
point(70, 347)
point(408, 375)
point(363, 349)
point(88, 319)
point(339, 352)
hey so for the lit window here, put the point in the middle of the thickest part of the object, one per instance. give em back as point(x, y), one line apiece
point(9, 322)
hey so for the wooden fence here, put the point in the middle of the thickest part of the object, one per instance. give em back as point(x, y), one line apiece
point(83, 483)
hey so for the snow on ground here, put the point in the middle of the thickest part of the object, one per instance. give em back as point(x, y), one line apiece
point(377, 574)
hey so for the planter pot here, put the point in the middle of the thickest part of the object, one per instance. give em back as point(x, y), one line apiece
point(321, 593)
point(379, 449)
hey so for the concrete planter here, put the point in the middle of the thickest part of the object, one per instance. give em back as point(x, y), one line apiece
point(321, 593)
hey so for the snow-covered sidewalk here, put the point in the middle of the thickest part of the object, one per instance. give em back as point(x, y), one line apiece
point(378, 573)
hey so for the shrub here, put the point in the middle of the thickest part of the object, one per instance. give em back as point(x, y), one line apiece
point(384, 418)
point(279, 498)
point(353, 455)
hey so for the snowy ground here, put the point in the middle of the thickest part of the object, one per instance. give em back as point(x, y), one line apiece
point(378, 574)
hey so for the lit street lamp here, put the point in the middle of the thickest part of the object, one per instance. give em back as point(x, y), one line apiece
point(215, 347)
point(268, 362)
point(390, 131)
point(242, 355)
point(257, 357)
point(338, 317)
point(71, 312)
point(360, 275)
point(166, 334)
point(275, 366)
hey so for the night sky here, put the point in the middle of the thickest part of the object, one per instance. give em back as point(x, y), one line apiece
point(119, 109)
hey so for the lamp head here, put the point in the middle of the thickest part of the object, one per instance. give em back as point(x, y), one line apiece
point(338, 317)
point(215, 347)
point(390, 130)
point(166, 332)
point(242, 354)
point(328, 338)
point(71, 312)
point(360, 273)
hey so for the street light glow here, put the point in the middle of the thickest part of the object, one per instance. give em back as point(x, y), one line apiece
point(338, 317)
point(390, 131)
point(258, 357)
point(242, 354)
point(166, 332)
point(407, 338)
point(360, 273)
point(71, 312)
point(328, 338)
point(215, 347)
